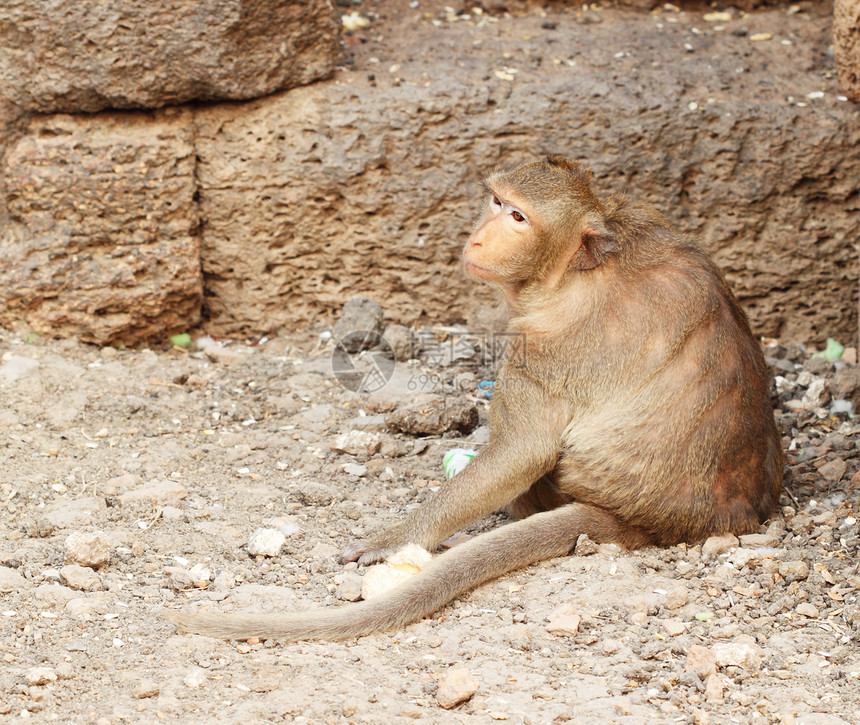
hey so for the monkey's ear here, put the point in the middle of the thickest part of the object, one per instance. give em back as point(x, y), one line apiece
point(596, 242)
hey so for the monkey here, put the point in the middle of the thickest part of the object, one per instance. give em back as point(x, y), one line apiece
point(637, 412)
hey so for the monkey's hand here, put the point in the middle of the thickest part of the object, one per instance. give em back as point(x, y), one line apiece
point(372, 552)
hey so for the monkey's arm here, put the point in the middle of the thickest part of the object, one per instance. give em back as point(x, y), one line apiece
point(524, 445)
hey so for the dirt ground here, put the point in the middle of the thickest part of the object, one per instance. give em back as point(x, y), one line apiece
point(157, 466)
point(178, 458)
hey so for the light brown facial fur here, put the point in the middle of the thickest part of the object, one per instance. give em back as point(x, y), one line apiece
point(639, 415)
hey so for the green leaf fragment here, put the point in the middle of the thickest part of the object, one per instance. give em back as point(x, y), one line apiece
point(181, 340)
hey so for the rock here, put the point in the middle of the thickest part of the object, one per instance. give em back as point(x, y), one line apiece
point(434, 417)
point(145, 688)
point(266, 542)
point(137, 55)
point(846, 385)
point(759, 541)
point(53, 595)
point(81, 578)
point(701, 717)
point(200, 576)
point(793, 570)
point(402, 341)
point(394, 447)
point(285, 524)
point(585, 546)
point(677, 597)
point(674, 628)
point(714, 688)
point(126, 181)
point(178, 578)
point(355, 469)
point(833, 470)
point(16, 367)
point(360, 314)
point(349, 589)
point(10, 580)
point(846, 46)
point(372, 203)
point(90, 549)
point(716, 545)
point(817, 395)
point(155, 492)
point(40, 675)
point(357, 443)
point(457, 686)
point(738, 654)
point(807, 610)
point(701, 660)
point(195, 678)
point(563, 621)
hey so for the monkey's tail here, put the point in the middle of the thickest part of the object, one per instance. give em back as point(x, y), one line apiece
point(513, 546)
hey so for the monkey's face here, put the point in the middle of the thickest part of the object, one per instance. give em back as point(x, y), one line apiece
point(504, 239)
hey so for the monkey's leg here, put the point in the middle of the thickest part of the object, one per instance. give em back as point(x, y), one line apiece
point(513, 546)
point(544, 495)
point(499, 474)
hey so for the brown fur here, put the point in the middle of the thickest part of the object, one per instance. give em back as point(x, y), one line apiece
point(639, 413)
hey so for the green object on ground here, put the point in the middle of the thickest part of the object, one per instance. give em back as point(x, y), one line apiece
point(181, 340)
point(832, 351)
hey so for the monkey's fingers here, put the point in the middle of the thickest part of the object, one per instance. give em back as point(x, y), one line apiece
point(365, 553)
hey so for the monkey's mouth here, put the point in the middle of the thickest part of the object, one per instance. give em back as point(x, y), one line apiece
point(476, 270)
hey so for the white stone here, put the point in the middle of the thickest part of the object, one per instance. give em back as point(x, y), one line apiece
point(88, 548)
point(81, 578)
point(40, 675)
point(266, 542)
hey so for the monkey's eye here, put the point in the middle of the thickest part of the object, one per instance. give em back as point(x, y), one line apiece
point(496, 201)
point(518, 216)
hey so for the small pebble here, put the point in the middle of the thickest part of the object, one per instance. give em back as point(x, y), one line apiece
point(266, 542)
point(738, 654)
point(677, 598)
point(457, 686)
point(807, 610)
point(717, 545)
point(81, 578)
point(195, 678)
point(40, 675)
point(793, 570)
point(144, 689)
point(355, 469)
point(674, 628)
point(88, 548)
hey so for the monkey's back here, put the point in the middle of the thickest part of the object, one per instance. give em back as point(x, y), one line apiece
point(678, 435)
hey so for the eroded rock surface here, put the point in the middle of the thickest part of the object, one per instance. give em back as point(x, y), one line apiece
point(101, 241)
point(87, 56)
point(846, 44)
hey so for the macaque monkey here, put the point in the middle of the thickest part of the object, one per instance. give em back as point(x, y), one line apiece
point(638, 414)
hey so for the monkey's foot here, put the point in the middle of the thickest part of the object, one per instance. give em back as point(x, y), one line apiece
point(366, 553)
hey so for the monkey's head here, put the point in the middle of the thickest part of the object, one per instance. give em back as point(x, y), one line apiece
point(541, 220)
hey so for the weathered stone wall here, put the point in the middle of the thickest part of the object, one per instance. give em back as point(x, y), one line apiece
point(282, 208)
point(90, 55)
point(846, 44)
point(101, 236)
